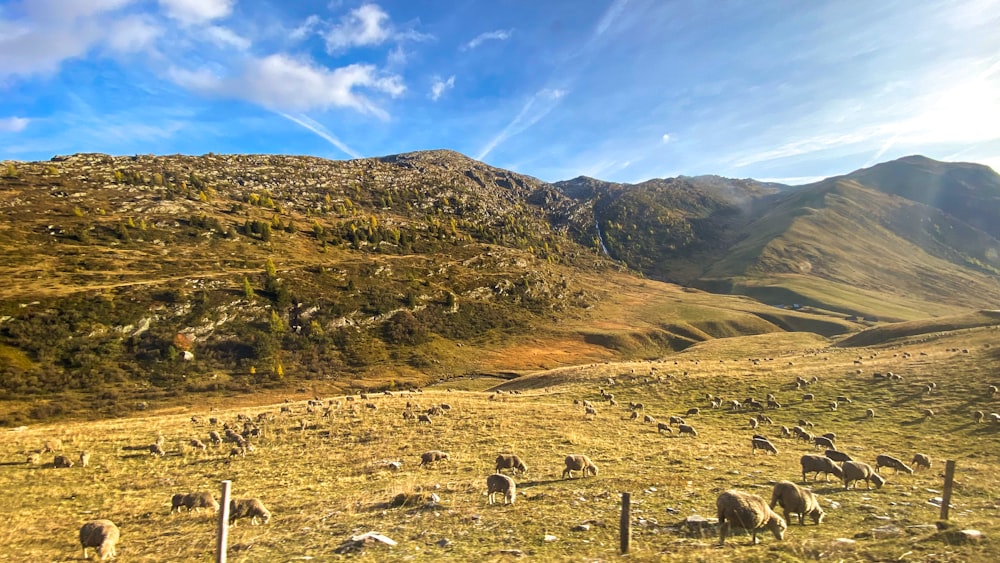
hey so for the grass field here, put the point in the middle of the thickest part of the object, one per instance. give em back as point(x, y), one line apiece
point(326, 479)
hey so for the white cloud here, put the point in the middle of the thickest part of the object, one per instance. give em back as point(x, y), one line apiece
point(666, 137)
point(397, 57)
point(439, 86)
point(498, 35)
point(64, 10)
point(13, 124)
point(285, 84)
point(132, 34)
point(362, 26)
point(307, 28)
point(225, 37)
point(318, 129)
point(537, 107)
point(609, 17)
point(192, 12)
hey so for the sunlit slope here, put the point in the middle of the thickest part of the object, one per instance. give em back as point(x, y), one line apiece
point(846, 247)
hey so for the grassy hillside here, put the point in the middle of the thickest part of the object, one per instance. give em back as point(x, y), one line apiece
point(328, 478)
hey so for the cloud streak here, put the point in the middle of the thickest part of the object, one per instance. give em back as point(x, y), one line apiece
point(498, 35)
point(13, 124)
point(323, 132)
point(439, 87)
point(534, 110)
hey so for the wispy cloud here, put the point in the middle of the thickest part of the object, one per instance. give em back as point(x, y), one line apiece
point(610, 15)
point(537, 107)
point(192, 12)
point(365, 25)
point(13, 124)
point(225, 37)
point(498, 35)
point(323, 132)
point(440, 86)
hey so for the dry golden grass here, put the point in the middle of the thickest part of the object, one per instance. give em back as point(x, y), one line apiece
point(332, 479)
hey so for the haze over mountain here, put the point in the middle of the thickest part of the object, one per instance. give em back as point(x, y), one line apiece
point(147, 274)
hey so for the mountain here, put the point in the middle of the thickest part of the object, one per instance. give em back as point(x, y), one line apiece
point(130, 279)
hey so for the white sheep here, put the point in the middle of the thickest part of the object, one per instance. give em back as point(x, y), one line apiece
point(84, 458)
point(978, 416)
point(819, 464)
point(686, 429)
point(498, 483)
point(198, 444)
point(193, 501)
point(511, 462)
point(648, 419)
point(747, 511)
point(215, 437)
point(857, 471)
point(431, 456)
point(102, 535)
point(693, 411)
point(883, 460)
point(823, 442)
point(870, 413)
point(797, 500)
point(248, 508)
point(762, 444)
point(663, 426)
point(578, 462)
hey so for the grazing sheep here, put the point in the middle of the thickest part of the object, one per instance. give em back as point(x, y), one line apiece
point(808, 397)
point(833, 405)
point(661, 426)
point(805, 423)
point(796, 500)
point(785, 432)
point(578, 462)
point(237, 451)
point(823, 442)
point(429, 457)
point(215, 438)
point(248, 508)
point(636, 406)
point(84, 459)
point(857, 471)
point(844, 399)
point(676, 420)
point(928, 413)
point(193, 501)
point(819, 464)
point(753, 423)
point(759, 444)
point(198, 444)
point(634, 415)
point(52, 445)
point(693, 411)
point(747, 511)
point(498, 483)
point(686, 429)
point(995, 417)
point(102, 535)
point(591, 411)
point(978, 416)
point(735, 405)
point(992, 390)
point(34, 458)
point(511, 462)
point(764, 419)
point(883, 460)
point(62, 461)
point(870, 413)
point(805, 436)
point(648, 419)
point(830, 436)
point(837, 455)
point(424, 418)
point(157, 449)
point(921, 460)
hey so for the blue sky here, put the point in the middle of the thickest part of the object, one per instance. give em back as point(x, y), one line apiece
point(622, 90)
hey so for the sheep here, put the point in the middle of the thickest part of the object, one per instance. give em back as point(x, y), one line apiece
point(978, 416)
point(883, 460)
point(498, 483)
point(805, 423)
point(819, 464)
point(198, 444)
point(870, 413)
point(102, 535)
point(693, 411)
point(805, 436)
point(215, 438)
point(764, 419)
point(995, 418)
point(686, 429)
point(753, 423)
point(830, 436)
point(431, 456)
point(921, 460)
point(744, 510)
point(590, 411)
point(424, 418)
point(735, 405)
point(993, 390)
point(837, 455)
point(578, 462)
point(795, 499)
point(648, 419)
point(833, 405)
point(157, 449)
point(808, 397)
point(785, 432)
point(661, 426)
point(676, 420)
point(248, 508)
point(34, 458)
point(758, 444)
point(928, 413)
point(857, 471)
point(193, 501)
point(52, 445)
point(636, 406)
point(844, 399)
point(62, 461)
point(84, 459)
point(634, 415)
point(823, 442)
point(511, 462)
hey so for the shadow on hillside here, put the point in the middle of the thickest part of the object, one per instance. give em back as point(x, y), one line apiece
point(529, 484)
point(11, 463)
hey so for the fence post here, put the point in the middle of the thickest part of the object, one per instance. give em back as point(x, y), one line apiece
point(220, 548)
point(949, 476)
point(625, 529)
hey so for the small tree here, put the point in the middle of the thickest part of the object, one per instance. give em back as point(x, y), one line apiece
point(247, 289)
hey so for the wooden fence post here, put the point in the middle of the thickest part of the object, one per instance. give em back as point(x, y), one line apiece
point(625, 529)
point(949, 476)
point(220, 548)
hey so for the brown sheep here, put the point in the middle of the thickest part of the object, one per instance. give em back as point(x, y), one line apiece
point(431, 456)
point(836, 455)
point(686, 429)
point(883, 460)
point(759, 444)
point(797, 500)
point(62, 461)
point(193, 501)
point(511, 462)
point(248, 508)
point(102, 535)
point(498, 483)
point(857, 471)
point(921, 460)
point(663, 426)
point(819, 464)
point(747, 511)
point(578, 462)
